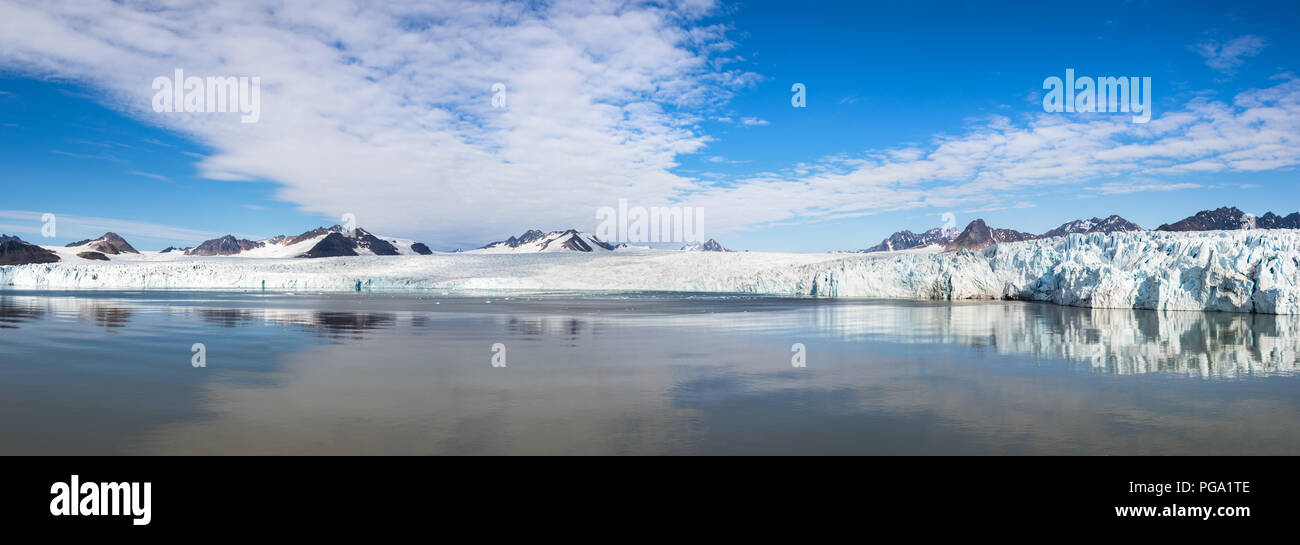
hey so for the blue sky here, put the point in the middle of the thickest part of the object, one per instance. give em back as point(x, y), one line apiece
point(688, 106)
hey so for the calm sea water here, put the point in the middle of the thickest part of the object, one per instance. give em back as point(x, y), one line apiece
point(112, 373)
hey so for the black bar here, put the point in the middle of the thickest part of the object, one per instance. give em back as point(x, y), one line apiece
point(331, 493)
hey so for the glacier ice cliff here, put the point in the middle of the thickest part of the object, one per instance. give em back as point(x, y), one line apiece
point(1232, 271)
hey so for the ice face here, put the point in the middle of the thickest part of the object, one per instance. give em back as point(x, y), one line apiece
point(1233, 271)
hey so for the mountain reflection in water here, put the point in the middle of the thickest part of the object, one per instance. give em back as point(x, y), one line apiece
point(110, 372)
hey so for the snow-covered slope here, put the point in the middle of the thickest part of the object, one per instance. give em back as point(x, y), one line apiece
point(1237, 271)
point(355, 241)
point(709, 246)
point(535, 241)
point(1095, 225)
point(904, 240)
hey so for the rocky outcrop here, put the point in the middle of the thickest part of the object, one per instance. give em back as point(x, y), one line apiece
point(110, 243)
point(978, 235)
point(1221, 219)
point(13, 251)
point(709, 246)
point(904, 240)
point(333, 245)
point(227, 245)
point(1112, 224)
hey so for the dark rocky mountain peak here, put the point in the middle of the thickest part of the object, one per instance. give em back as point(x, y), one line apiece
point(979, 235)
point(905, 239)
point(333, 245)
point(227, 245)
point(570, 239)
point(1225, 218)
point(111, 243)
point(17, 252)
point(1273, 221)
point(530, 236)
point(708, 246)
point(1111, 224)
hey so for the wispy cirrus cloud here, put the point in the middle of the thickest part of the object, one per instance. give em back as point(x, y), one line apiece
point(1121, 188)
point(1228, 57)
point(999, 206)
point(1001, 159)
point(159, 177)
point(97, 156)
point(27, 222)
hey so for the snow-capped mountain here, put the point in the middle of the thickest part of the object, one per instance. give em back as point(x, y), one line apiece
point(554, 241)
point(110, 244)
point(979, 235)
point(1230, 218)
point(227, 245)
point(331, 241)
point(707, 246)
point(904, 240)
point(1230, 271)
point(1112, 224)
point(1221, 219)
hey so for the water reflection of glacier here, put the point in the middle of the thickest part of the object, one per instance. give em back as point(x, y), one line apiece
point(1108, 340)
point(1113, 341)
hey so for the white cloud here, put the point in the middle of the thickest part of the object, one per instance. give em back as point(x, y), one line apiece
point(1118, 188)
point(384, 110)
point(752, 121)
point(1000, 160)
point(995, 207)
point(1228, 57)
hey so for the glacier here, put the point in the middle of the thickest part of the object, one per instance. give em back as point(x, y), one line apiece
point(1231, 271)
